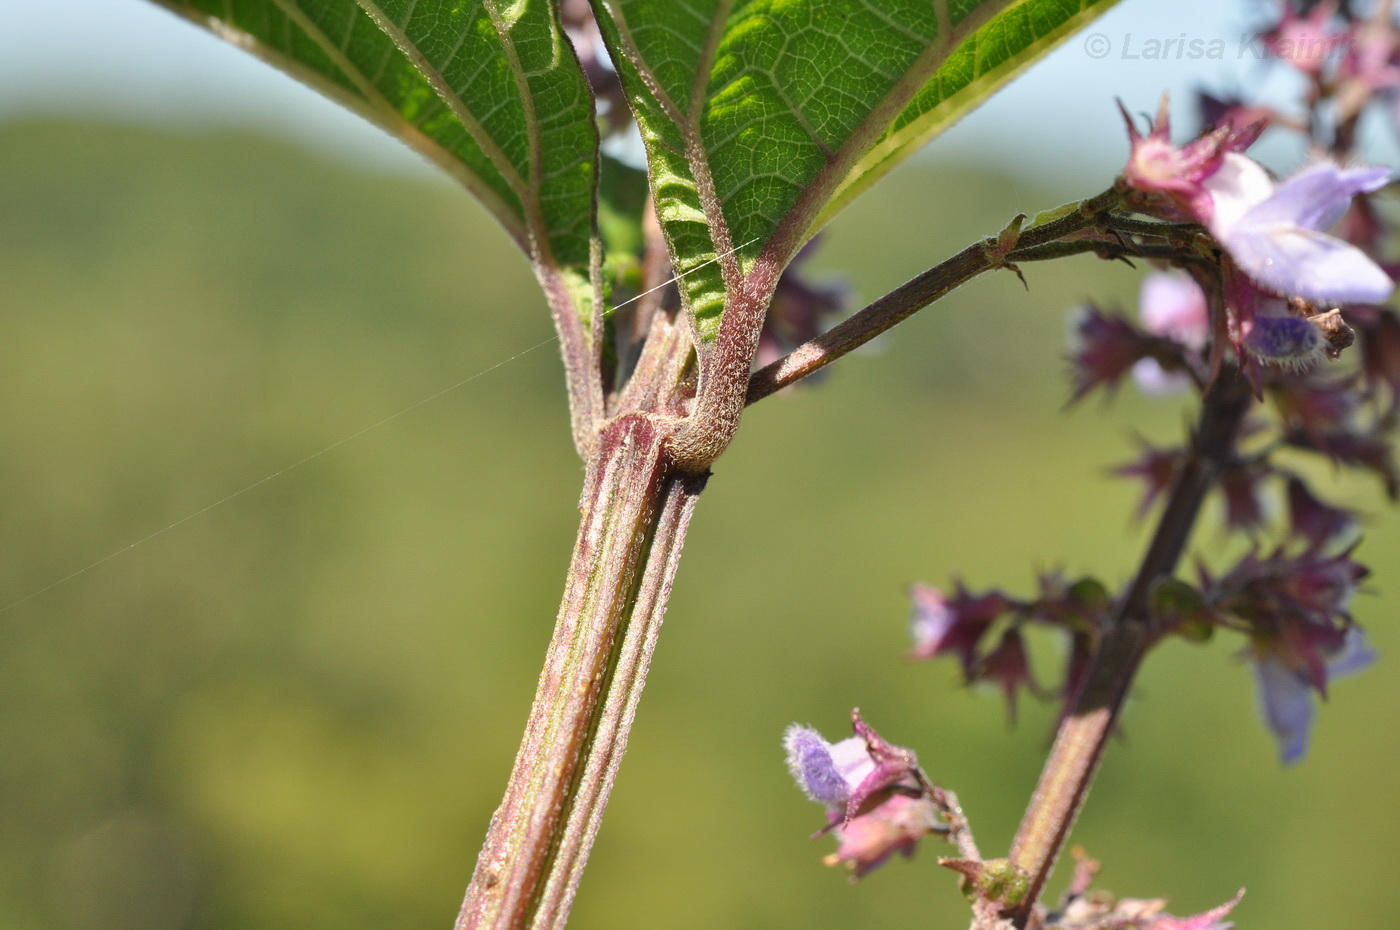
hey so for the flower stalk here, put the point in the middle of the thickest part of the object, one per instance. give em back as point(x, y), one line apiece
point(1084, 732)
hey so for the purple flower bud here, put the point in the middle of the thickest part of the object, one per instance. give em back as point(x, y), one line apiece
point(1287, 341)
point(826, 773)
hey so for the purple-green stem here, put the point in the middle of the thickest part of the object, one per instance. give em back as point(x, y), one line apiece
point(920, 291)
point(647, 467)
point(636, 508)
point(1085, 731)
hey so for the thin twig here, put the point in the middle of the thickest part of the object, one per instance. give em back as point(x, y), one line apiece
point(907, 299)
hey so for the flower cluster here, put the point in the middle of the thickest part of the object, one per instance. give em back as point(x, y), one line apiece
point(877, 803)
point(1294, 609)
point(1278, 266)
point(962, 625)
point(1292, 273)
point(1259, 286)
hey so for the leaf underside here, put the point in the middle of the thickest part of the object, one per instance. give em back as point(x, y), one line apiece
point(762, 118)
point(490, 92)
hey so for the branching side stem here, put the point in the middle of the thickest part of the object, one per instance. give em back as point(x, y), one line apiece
point(907, 299)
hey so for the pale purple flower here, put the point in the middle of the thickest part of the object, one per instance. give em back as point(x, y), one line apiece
point(827, 773)
point(875, 797)
point(1275, 232)
point(1286, 693)
point(1171, 305)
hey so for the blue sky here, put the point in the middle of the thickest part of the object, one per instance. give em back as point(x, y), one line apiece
point(130, 60)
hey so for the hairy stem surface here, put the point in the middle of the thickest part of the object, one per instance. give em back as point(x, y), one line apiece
point(636, 509)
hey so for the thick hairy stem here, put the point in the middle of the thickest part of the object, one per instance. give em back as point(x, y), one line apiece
point(636, 508)
point(1084, 732)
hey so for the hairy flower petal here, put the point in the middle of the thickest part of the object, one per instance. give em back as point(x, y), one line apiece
point(1287, 341)
point(1275, 233)
point(809, 758)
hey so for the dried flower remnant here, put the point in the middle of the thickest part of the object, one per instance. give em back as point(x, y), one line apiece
point(1083, 907)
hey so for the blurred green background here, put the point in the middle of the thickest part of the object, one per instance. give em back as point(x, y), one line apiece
point(298, 708)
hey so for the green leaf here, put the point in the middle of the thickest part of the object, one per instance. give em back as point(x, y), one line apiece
point(757, 113)
point(490, 92)
point(996, 53)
